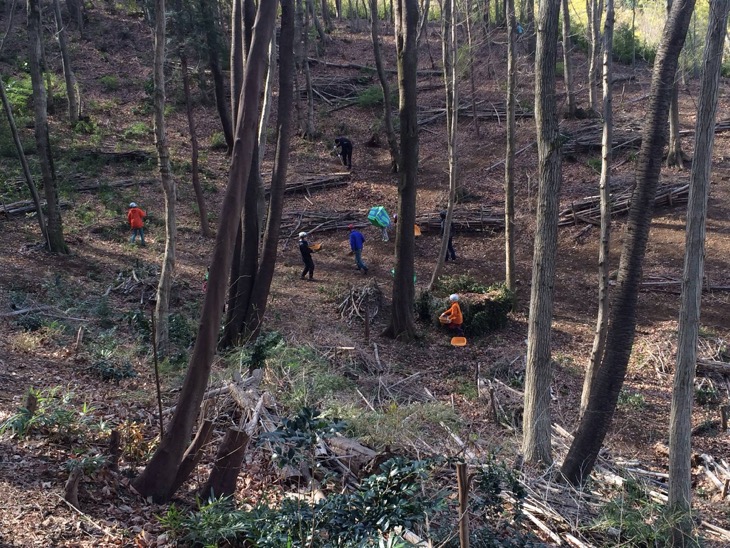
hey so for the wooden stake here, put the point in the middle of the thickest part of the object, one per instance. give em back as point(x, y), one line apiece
point(462, 479)
point(724, 416)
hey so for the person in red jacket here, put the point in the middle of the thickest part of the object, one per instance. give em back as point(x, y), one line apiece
point(453, 313)
point(136, 216)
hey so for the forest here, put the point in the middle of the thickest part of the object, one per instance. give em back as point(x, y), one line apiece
point(388, 273)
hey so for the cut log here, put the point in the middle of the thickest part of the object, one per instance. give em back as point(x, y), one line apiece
point(711, 366)
point(315, 182)
point(71, 489)
point(115, 450)
point(351, 453)
point(227, 465)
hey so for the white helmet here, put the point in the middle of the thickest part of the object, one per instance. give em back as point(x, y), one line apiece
point(133, 204)
point(302, 234)
point(454, 297)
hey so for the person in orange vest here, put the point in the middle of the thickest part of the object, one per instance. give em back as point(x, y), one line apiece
point(136, 216)
point(454, 314)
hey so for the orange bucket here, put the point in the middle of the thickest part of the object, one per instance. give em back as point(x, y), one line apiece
point(458, 341)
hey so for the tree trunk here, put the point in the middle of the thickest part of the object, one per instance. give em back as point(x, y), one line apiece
point(472, 82)
point(568, 60)
point(24, 163)
point(530, 28)
point(56, 242)
point(509, 162)
point(674, 154)
point(227, 465)
point(200, 199)
point(262, 284)
point(423, 20)
point(158, 477)
point(308, 130)
point(317, 25)
point(402, 324)
point(680, 421)
point(162, 306)
point(266, 108)
point(236, 57)
point(594, 9)
point(536, 428)
point(213, 47)
point(326, 17)
point(72, 92)
point(449, 55)
point(76, 9)
point(383, 77)
point(599, 339)
point(622, 318)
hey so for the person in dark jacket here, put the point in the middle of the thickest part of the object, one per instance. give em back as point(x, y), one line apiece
point(345, 152)
point(357, 241)
point(306, 252)
point(450, 250)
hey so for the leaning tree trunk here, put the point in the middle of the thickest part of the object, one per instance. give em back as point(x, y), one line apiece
point(72, 92)
point(236, 56)
point(162, 307)
point(56, 242)
point(402, 325)
point(262, 284)
point(24, 162)
point(536, 429)
point(509, 162)
point(568, 60)
point(200, 199)
point(449, 53)
point(596, 420)
point(317, 25)
point(680, 421)
point(423, 20)
point(159, 475)
point(383, 77)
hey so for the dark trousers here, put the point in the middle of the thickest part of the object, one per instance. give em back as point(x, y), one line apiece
point(346, 156)
point(450, 251)
point(308, 268)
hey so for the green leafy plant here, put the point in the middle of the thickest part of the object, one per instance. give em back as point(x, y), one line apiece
point(634, 400)
point(136, 131)
point(109, 82)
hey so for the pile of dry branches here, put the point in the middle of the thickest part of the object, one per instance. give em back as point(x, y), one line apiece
point(465, 220)
point(363, 302)
point(293, 222)
point(308, 183)
point(491, 111)
point(589, 138)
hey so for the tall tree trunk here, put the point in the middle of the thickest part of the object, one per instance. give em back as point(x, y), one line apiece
point(268, 97)
point(159, 475)
point(200, 199)
point(423, 19)
point(594, 9)
point(308, 130)
point(76, 9)
point(530, 28)
point(317, 25)
point(472, 82)
point(509, 162)
point(536, 429)
point(680, 421)
point(674, 154)
point(383, 77)
point(24, 162)
point(326, 16)
point(213, 49)
point(236, 56)
point(599, 339)
point(56, 242)
point(162, 306)
point(72, 92)
point(568, 60)
point(402, 324)
point(262, 284)
point(596, 420)
point(449, 55)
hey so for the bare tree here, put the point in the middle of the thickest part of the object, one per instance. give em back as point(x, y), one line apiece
point(72, 92)
point(402, 325)
point(308, 130)
point(594, 9)
point(536, 429)
point(530, 28)
point(599, 339)
point(680, 421)
point(383, 77)
point(472, 80)
point(56, 242)
point(674, 154)
point(159, 476)
point(509, 162)
point(609, 379)
point(568, 60)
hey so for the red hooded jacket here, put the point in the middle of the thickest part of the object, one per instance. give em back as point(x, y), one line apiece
point(136, 217)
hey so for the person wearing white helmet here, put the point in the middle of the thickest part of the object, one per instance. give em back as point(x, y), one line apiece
point(136, 216)
point(306, 252)
point(454, 315)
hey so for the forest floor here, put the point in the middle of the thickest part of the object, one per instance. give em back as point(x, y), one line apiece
point(87, 307)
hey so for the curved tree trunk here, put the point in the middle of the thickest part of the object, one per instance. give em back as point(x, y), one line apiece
point(383, 77)
point(402, 325)
point(72, 92)
point(599, 339)
point(509, 162)
point(680, 421)
point(158, 477)
point(596, 420)
point(262, 284)
point(536, 426)
point(568, 60)
point(56, 242)
point(162, 306)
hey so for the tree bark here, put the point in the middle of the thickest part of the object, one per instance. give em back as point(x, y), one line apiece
point(236, 57)
point(674, 154)
point(317, 25)
point(622, 318)
point(402, 325)
point(308, 130)
point(200, 199)
point(568, 60)
point(158, 477)
point(536, 429)
point(262, 284)
point(599, 339)
point(72, 92)
point(326, 16)
point(530, 28)
point(594, 9)
point(680, 421)
point(509, 162)
point(56, 242)
point(76, 9)
point(227, 465)
point(383, 77)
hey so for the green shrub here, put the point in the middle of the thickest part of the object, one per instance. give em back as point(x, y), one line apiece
point(370, 97)
point(707, 394)
point(109, 82)
point(624, 43)
point(137, 130)
point(218, 141)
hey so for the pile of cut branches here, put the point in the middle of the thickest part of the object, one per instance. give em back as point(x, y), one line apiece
point(589, 138)
point(293, 222)
point(465, 220)
point(308, 183)
point(491, 111)
point(361, 302)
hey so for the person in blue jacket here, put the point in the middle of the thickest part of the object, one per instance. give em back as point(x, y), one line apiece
point(357, 241)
